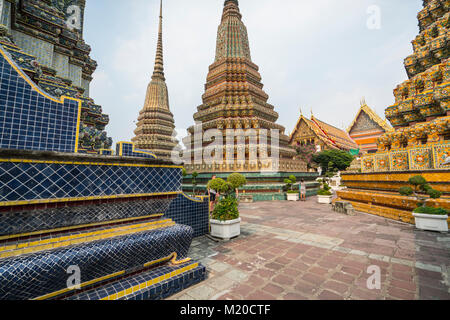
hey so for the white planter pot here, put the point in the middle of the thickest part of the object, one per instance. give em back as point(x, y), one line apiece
point(225, 230)
point(325, 199)
point(293, 196)
point(431, 222)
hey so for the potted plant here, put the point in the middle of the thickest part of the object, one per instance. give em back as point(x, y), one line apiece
point(292, 195)
point(426, 218)
point(325, 195)
point(225, 222)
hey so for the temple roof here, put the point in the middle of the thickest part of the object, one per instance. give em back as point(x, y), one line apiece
point(330, 135)
point(372, 115)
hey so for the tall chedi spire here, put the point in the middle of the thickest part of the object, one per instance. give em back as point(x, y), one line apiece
point(155, 123)
point(234, 96)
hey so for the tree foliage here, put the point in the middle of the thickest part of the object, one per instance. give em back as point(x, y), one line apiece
point(333, 160)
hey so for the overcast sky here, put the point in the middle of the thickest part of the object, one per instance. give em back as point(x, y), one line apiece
point(314, 54)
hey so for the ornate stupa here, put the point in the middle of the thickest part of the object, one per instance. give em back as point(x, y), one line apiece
point(155, 127)
point(420, 141)
point(234, 99)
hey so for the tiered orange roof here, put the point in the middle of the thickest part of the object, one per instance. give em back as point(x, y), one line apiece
point(333, 137)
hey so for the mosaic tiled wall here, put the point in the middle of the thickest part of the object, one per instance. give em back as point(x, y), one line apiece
point(75, 74)
point(42, 50)
point(61, 65)
point(30, 119)
point(5, 13)
point(192, 212)
point(85, 84)
point(430, 157)
point(127, 149)
point(25, 180)
point(38, 274)
point(55, 217)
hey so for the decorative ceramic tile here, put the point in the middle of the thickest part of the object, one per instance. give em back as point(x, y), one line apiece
point(421, 159)
point(441, 155)
point(368, 164)
point(382, 162)
point(399, 161)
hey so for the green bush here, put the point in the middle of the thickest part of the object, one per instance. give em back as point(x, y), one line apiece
point(323, 192)
point(406, 191)
point(290, 183)
point(430, 210)
point(226, 209)
point(236, 180)
point(418, 182)
point(292, 192)
point(434, 194)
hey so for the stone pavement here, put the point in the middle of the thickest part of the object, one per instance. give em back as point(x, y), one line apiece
point(305, 251)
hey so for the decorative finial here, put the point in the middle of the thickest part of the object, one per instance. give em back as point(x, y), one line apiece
point(159, 60)
point(363, 101)
point(301, 111)
point(235, 1)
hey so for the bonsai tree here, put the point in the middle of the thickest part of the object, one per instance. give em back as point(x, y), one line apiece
point(419, 187)
point(290, 184)
point(194, 181)
point(325, 190)
point(227, 208)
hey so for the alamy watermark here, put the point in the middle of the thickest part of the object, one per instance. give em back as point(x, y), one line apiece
point(374, 281)
point(374, 19)
point(74, 19)
point(74, 280)
point(229, 146)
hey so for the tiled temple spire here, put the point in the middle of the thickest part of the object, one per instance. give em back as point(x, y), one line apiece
point(155, 123)
point(234, 96)
point(159, 60)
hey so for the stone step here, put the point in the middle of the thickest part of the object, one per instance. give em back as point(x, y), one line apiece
point(154, 284)
point(75, 238)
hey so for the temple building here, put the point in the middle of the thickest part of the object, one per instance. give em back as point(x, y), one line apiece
point(234, 99)
point(421, 119)
point(320, 134)
point(155, 127)
point(45, 38)
point(367, 128)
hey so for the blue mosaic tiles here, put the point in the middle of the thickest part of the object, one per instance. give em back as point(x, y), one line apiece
point(38, 274)
point(193, 212)
point(32, 220)
point(30, 120)
point(127, 149)
point(26, 181)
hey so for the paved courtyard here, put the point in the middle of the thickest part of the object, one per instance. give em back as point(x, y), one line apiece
point(305, 251)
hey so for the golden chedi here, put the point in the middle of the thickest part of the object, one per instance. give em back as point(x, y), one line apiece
point(234, 99)
point(156, 127)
